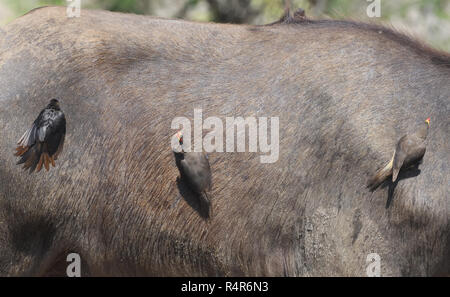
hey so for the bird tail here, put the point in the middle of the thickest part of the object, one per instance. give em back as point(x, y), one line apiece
point(34, 157)
point(206, 205)
point(381, 175)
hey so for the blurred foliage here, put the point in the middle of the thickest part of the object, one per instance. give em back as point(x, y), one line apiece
point(429, 19)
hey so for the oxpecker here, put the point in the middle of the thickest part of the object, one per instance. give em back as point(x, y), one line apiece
point(43, 142)
point(195, 170)
point(410, 150)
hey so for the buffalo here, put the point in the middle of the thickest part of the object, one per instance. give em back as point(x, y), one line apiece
point(344, 93)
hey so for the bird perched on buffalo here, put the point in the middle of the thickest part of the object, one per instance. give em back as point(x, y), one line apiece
point(195, 170)
point(409, 151)
point(43, 142)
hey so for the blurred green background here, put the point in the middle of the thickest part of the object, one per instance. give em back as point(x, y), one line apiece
point(427, 19)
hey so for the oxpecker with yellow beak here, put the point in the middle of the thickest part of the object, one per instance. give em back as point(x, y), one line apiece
point(410, 149)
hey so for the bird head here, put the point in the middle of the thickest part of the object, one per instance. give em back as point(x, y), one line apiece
point(54, 103)
point(428, 121)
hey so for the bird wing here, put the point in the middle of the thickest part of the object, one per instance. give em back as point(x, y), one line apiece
point(405, 145)
point(410, 149)
point(42, 143)
point(190, 173)
point(399, 158)
point(52, 130)
point(30, 136)
point(47, 123)
point(197, 170)
point(206, 168)
point(59, 147)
